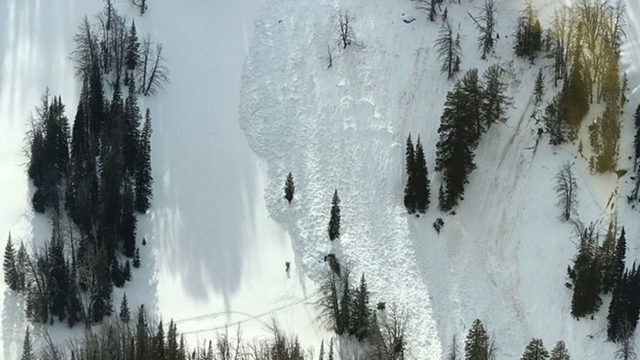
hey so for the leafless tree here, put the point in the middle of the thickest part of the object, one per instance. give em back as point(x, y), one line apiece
point(141, 4)
point(153, 72)
point(566, 191)
point(388, 337)
point(448, 50)
point(486, 23)
point(346, 32)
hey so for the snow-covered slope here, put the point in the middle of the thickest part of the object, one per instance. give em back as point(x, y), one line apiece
point(214, 256)
point(503, 257)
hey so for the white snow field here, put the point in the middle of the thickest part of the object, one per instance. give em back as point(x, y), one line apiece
point(214, 257)
point(503, 256)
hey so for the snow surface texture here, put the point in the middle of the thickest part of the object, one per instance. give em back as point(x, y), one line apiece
point(214, 257)
point(503, 256)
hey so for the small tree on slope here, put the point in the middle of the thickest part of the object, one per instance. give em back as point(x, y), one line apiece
point(566, 191)
point(560, 352)
point(409, 190)
point(421, 178)
point(289, 188)
point(535, 351)
point(9, 266)
point(448, 50)
point(334, 221)
point(476, 346)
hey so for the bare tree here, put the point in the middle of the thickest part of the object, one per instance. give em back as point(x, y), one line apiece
point(346, 32)
point(430, 6)
point(486, 23)
point(141, 4)
point(448, 50)
point(153, 71)
point(566, 191)
point(388, 337)
point(453, 350)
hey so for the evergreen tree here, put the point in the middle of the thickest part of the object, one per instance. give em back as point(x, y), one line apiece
point(125, 314)
point(158, 343)
point(11, 277)
point(448, 49)
point(529, 33)
point(131, 134)
point(132, 56)
point(142, 337)
point(57, 278)
point(143, 173)
point(560, 352)
point(539, 88)
point(421, 180)
point(410, 188)
point(321, 353)
point(128, 223)
point(636, 140)
point(459, 135)
point(609, 257)
point(27, 347)
point(21, 267)
point(289, 188)
point(101, 302)
point(330, 349)
point(173, 349)
point(574, 101)
point(346, 303)
point(495, 100)
point(535, 351)
point(361, 312)
point(586, 289)
point(553, 122)
point(136, 259)
point(476, 346)
point(334, 222)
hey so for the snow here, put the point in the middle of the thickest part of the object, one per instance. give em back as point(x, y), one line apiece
point(214, 257)
point(503, 257)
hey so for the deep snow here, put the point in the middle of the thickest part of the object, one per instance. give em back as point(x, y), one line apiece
point(214, 256)
point(503, 257)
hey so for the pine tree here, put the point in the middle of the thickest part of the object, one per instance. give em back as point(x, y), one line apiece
point(132, 56)
point(321, 353)
point(101, 288)
point(172, 352)
point(553, 123)
point(574, 101)
point(361, 312)
point(11, 277)
point(346, 303)
point(539, 88)
point(143, 173)
point(560, 352)
point(636, 139)
point(125, 314)
point(57, 278)
point(131, 133)
point(476, 346)
point(27, 347)
point(128, 223)
point(289, 188)
point(535, 351)
point(21, 266)
point(421, 180)
point(330, 349)
point(334, 222)
point(586, 289)
point(158, 343)
point(608, 256)
point(459, 135)
point(448, 50)
point(136, 259)
point(495, 100)
point(409, 189)
point(142, 337)
point(529, 33)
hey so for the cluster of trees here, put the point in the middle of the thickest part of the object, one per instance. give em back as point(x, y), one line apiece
point(142, 339)
point(90, 180)
point(117, 51)
point(479, 346)
point(585, 41)
point(528, 37)
point(469, 111)
point(345, 310)
point(417, 191)
point(600, 269)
